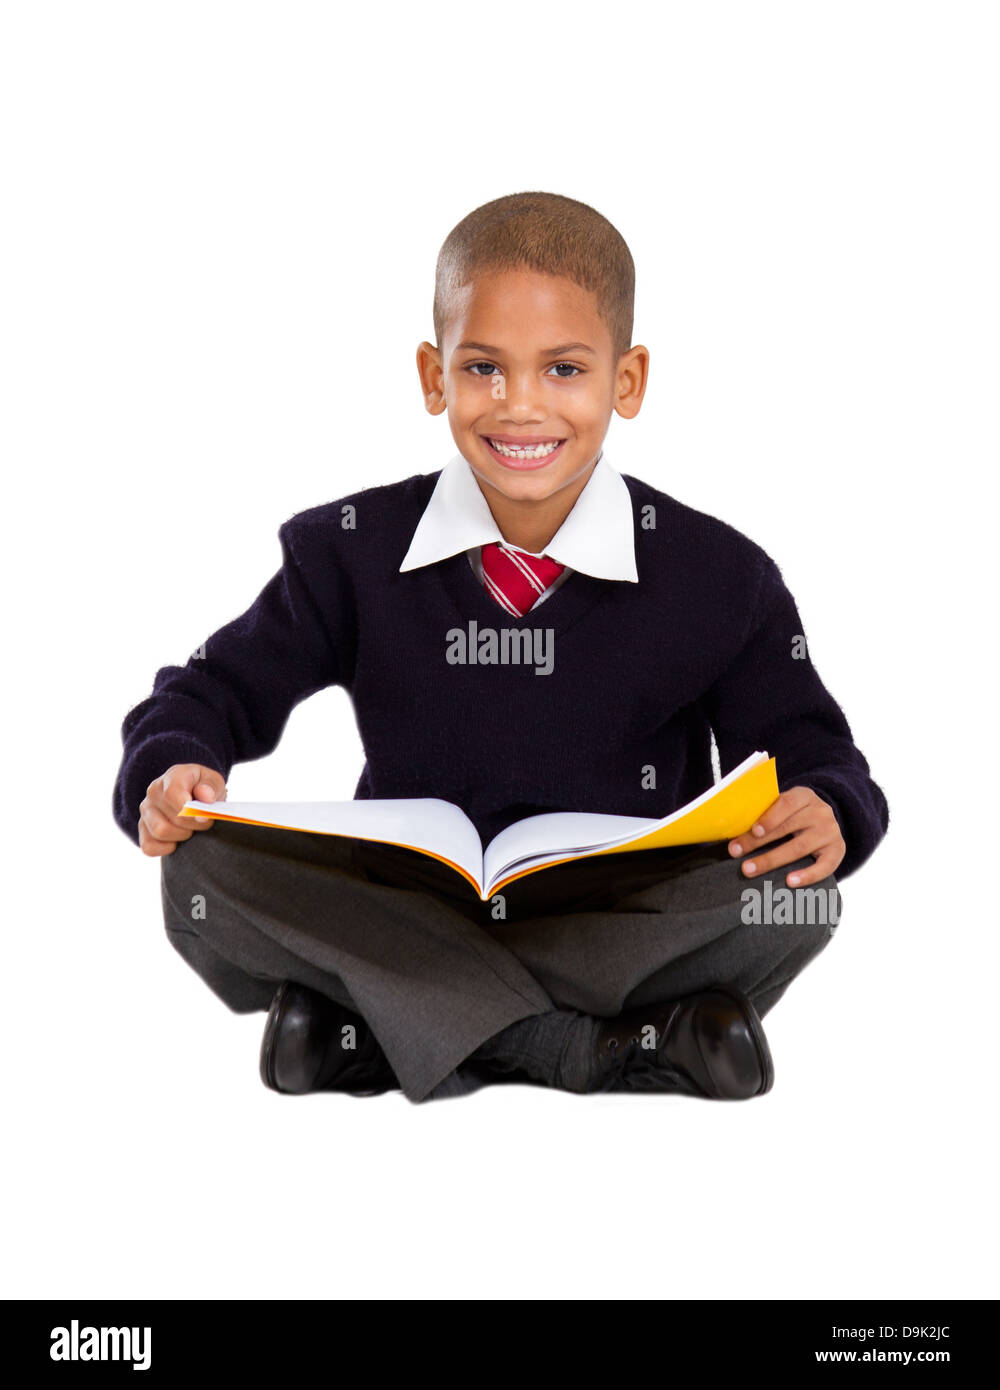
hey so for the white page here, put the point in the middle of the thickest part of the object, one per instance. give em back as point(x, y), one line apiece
point(561, 835)
point(423, 823)
point(564, 833)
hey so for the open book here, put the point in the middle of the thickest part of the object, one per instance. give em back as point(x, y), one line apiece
point(443, 831)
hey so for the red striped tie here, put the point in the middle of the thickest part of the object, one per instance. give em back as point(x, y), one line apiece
point(514, 579)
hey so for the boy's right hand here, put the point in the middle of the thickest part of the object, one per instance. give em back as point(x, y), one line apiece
point(160, 826)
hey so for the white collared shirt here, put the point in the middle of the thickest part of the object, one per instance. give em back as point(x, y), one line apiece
point(597, 536)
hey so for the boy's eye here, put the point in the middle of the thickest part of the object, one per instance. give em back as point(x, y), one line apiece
point(566, 370)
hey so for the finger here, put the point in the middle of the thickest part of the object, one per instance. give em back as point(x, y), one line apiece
point(797, 821)
point(800, 804)
point(211, 778)
point(205, 791)
point(795, 848)
point(161, 827)
point(827, 862)
point(191, 782)
point(178, 785)
point(154, 814)
point(152, 847)
point(786, 804)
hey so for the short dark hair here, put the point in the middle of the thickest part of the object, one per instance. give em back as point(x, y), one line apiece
point(545, 232)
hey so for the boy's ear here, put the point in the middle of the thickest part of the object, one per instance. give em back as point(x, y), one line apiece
point(630, 382)
point(431, 374)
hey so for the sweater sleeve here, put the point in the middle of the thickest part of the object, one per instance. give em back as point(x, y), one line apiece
point(231, 701)
point(772, 698)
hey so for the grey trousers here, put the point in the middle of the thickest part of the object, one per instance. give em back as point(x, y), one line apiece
point(404, 942)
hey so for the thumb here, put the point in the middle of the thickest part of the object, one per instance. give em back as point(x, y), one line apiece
point(211, 786)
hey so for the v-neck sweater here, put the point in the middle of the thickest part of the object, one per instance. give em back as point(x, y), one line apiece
point(605, 698)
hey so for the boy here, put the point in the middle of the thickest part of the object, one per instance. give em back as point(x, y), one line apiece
point(654, 630)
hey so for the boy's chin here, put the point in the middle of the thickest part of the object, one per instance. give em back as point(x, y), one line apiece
point(534, 486)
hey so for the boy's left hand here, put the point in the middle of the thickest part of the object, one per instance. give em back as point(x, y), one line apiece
point(810, 821)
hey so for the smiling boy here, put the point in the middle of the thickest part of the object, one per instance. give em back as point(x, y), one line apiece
point(666, 630)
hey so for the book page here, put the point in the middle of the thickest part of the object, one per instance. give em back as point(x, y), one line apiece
point(725, 809)
point(437, 828)
point(557, 835)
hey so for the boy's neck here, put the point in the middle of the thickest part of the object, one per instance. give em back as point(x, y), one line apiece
point(531, 525)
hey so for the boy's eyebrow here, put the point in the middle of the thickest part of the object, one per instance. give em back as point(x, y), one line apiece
point(546, 352)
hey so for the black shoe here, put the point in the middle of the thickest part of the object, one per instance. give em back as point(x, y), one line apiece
point(706, 1044)
point(303, 1048)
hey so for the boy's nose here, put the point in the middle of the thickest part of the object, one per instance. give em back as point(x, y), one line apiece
point(522, 415)
point(523, 395)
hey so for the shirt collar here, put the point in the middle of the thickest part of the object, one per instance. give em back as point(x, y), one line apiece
point(598, 536)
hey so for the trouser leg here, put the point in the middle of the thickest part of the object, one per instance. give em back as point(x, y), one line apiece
point(249, 906)
point(615, 933)
point(672, 924)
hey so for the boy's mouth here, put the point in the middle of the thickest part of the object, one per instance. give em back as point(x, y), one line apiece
point(527, 451)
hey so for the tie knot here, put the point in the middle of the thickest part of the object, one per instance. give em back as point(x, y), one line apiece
point(515, 579)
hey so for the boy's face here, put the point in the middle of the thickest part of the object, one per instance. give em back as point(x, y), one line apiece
point(529, 378)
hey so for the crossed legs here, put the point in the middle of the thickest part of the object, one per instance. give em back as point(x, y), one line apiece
point(442, 979)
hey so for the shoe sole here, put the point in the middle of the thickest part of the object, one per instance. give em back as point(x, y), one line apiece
point(275, 1017)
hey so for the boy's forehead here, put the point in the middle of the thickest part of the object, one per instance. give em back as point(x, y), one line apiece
point(525, 307)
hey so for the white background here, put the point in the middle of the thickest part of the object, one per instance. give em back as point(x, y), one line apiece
point(220, 229)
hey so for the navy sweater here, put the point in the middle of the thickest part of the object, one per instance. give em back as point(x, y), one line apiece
point(614, 678)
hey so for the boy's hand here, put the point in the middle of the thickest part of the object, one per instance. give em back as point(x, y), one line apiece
point(160, 827)
point(810, 821)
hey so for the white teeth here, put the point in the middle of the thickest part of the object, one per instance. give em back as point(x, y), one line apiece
point(540, 451)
